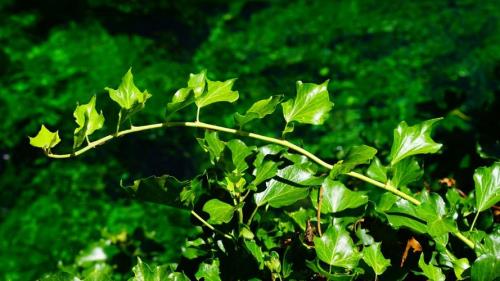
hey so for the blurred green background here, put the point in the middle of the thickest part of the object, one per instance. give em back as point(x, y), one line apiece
point(387, 61)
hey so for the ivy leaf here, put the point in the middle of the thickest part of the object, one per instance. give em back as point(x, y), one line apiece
point(45, 139)
point(487, 186)
point(433, 211)
point(258, 110)
point(486, 268)
point(265, 171)
point(128, 96)
point(143, 272)
point(336, 197)
point(373, 256)
point(213, 145)
point(186, 96)
point(357, 155)
point(220, 212)
point(406, 171)
point(256, 252)
point(60, 276)
point(217, 92)
point(335, 247)
point(430, 271)
point(88, 120)
point(311, 105)
point(377, 171)
point(209, 272)
point(413, 140)
point(239, 152)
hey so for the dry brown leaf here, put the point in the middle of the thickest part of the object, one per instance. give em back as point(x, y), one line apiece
point(411, 244)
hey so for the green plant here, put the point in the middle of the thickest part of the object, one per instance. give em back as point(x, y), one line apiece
point(277, 211)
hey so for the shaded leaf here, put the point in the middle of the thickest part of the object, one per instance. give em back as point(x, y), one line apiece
point(337, 197)
point(406, 171)
point(377, 171)
point(487, 186)
point(88, 120)
point(413, 140)
point(220, 212)
point(256, 252)
point(217, 91)
point(258, 110)
point(335, 247)
point(209, 272)
point(213, 145)
point(357, 155)
point(373, 256)
point(430, 271)
point(45, 139)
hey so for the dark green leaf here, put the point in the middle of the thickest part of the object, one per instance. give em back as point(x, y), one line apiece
point(487, 183)
point(220, 212)
point(413, 140)
point(335, 247)
point(256, 252)
point(431, 271)
point(217, 92)
point(209, 272)
point(88, 120)
point(336, 197)
point(258, 110)
point(357, 155)
point(377, 171)
point(45, 139)
point(406, 171)
point(373, 256)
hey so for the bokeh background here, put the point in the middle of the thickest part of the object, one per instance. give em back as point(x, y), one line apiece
point(387, 61)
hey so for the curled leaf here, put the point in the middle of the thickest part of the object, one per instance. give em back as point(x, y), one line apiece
point(185, 96)
point(259, 110)
point(88, 120)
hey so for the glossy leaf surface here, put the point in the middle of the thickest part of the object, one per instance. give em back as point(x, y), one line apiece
point(186, 96)
point(373, 256)
point(430, 270)
point(487, 186)
point(337, 197)
point(208, 271)
point(335, 247)
point(258, 110)
point(128, 96)
point(357, 155)
point(217, 91)
point(88, 120)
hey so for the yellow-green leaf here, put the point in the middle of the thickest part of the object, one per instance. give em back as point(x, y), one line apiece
point(217, 91)
point(45, 139)
point(487, 186)
point(88, 120)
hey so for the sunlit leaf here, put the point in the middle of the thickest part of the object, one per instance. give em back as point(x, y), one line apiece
point(143, 272)
point(88, 120)
point(186, 96)
point(405, 172)
point(311, 105)
point(335, 247)
point(373, 256)
point(60, 276)
point(239, 152)
point(430, 270)
point(258, 110)
point(337, 197)
point(208, 271)
point(217, 91)
point(487, 186)
point(45, 139)
point(357, 155)
point(220, 212)
point(377, 171)
point(265, 171)
point(413, 140)
point(213, 145)
point(256, 252)
point(486, 268)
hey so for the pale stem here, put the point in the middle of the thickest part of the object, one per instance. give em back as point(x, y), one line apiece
point(204, 222)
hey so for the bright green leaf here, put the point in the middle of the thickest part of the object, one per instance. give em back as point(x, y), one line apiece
point(335, 247)
point(60, 276)
point(311, 105)
point(487, 186)
point(213, 145)
point(258, 110)
point(209, 272)
point(413, 140)
point(185, 96)
point(357, 155)
point(45, 139)
point(377, 171)
point(239, 152)
point(406, 171)
point(220, 212)
point(265, 171)
point(430, 271)
point(256, 252)
point(128, 96)
point(486, 267)
point(143, 272)
point(337, 197)
point(217, 92)
point(88, 120)
point(373, 256)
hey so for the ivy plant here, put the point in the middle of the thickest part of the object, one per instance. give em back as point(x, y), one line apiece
point(271, 210)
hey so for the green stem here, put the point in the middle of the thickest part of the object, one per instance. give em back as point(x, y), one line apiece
point(474, 221)
point(285, 143)
point(252, 215)
point(210, 226)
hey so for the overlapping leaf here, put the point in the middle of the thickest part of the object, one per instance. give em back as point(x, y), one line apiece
point(487, 183)
point(335, 247)
point(186, 96)
point(373, 256)
point(405, 172)
point(88, 120)
point(256, 252)
point(217, 91)
point(208, 271)
point(357, 155)
point(220, 212)
point(258, 110)
point(337, 197)
point(431, 271)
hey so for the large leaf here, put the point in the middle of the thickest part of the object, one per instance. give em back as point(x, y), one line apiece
point(335, 247)
point(284, 191)
point(357, 155)
point(128, 96)
point(220, 212)
point(265, 171)
point(185, 96)
point(256, 252)
point(430, 271)
point(373, 256)
point(406, 171)
point(486, 268)
point(45, 139)
point(433, 211)
point(487, 183)
point(88, 120)
point(208, 271)
point(217, 91)
point(336, 197)
point(413, 140)
point(311, 105)
point(258, 110)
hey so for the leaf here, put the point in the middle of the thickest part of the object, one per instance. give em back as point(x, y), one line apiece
point(185, 96)
point(486, 267)
point(487, 186)
point(335, 247)
point(88, 121)
point(357, 155)
point(217, 92)
point(256, 252)
point(430, 271)
point(209, 272)
point(279, 193)
point(60, 276)
point(128, 96)
point(377, 171)
point(433, 211)
point(336, 197)
point(264, 172)
point(142, 272)
point(373, 256)
point(311, 105)
point(406, 171)
point(220, 212)
point(258, 110)
point(45, 139)
point(213, 145)
point(165, 190)
point(239, 152)
point(413, 140)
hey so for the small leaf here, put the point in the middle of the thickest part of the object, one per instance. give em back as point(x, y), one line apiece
point(311, 105)
point(88, 120)
point(45, 139)
point(264, 172)
point(357, 155)
point(430, 271)
point(377, 171)
point(256, 252)
point(209, 272)
point(413, 140)
point(185, 96)
point(336, 197)
point(487, 186)
point(258, 110)
point(143, 272)
point(335, 247)
point(373, 256)
point(217, 92)
point(213, 145)
point(220, 212)
point(128, 96)
point(60, 276)
point(406, 171)
point(239, 152)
